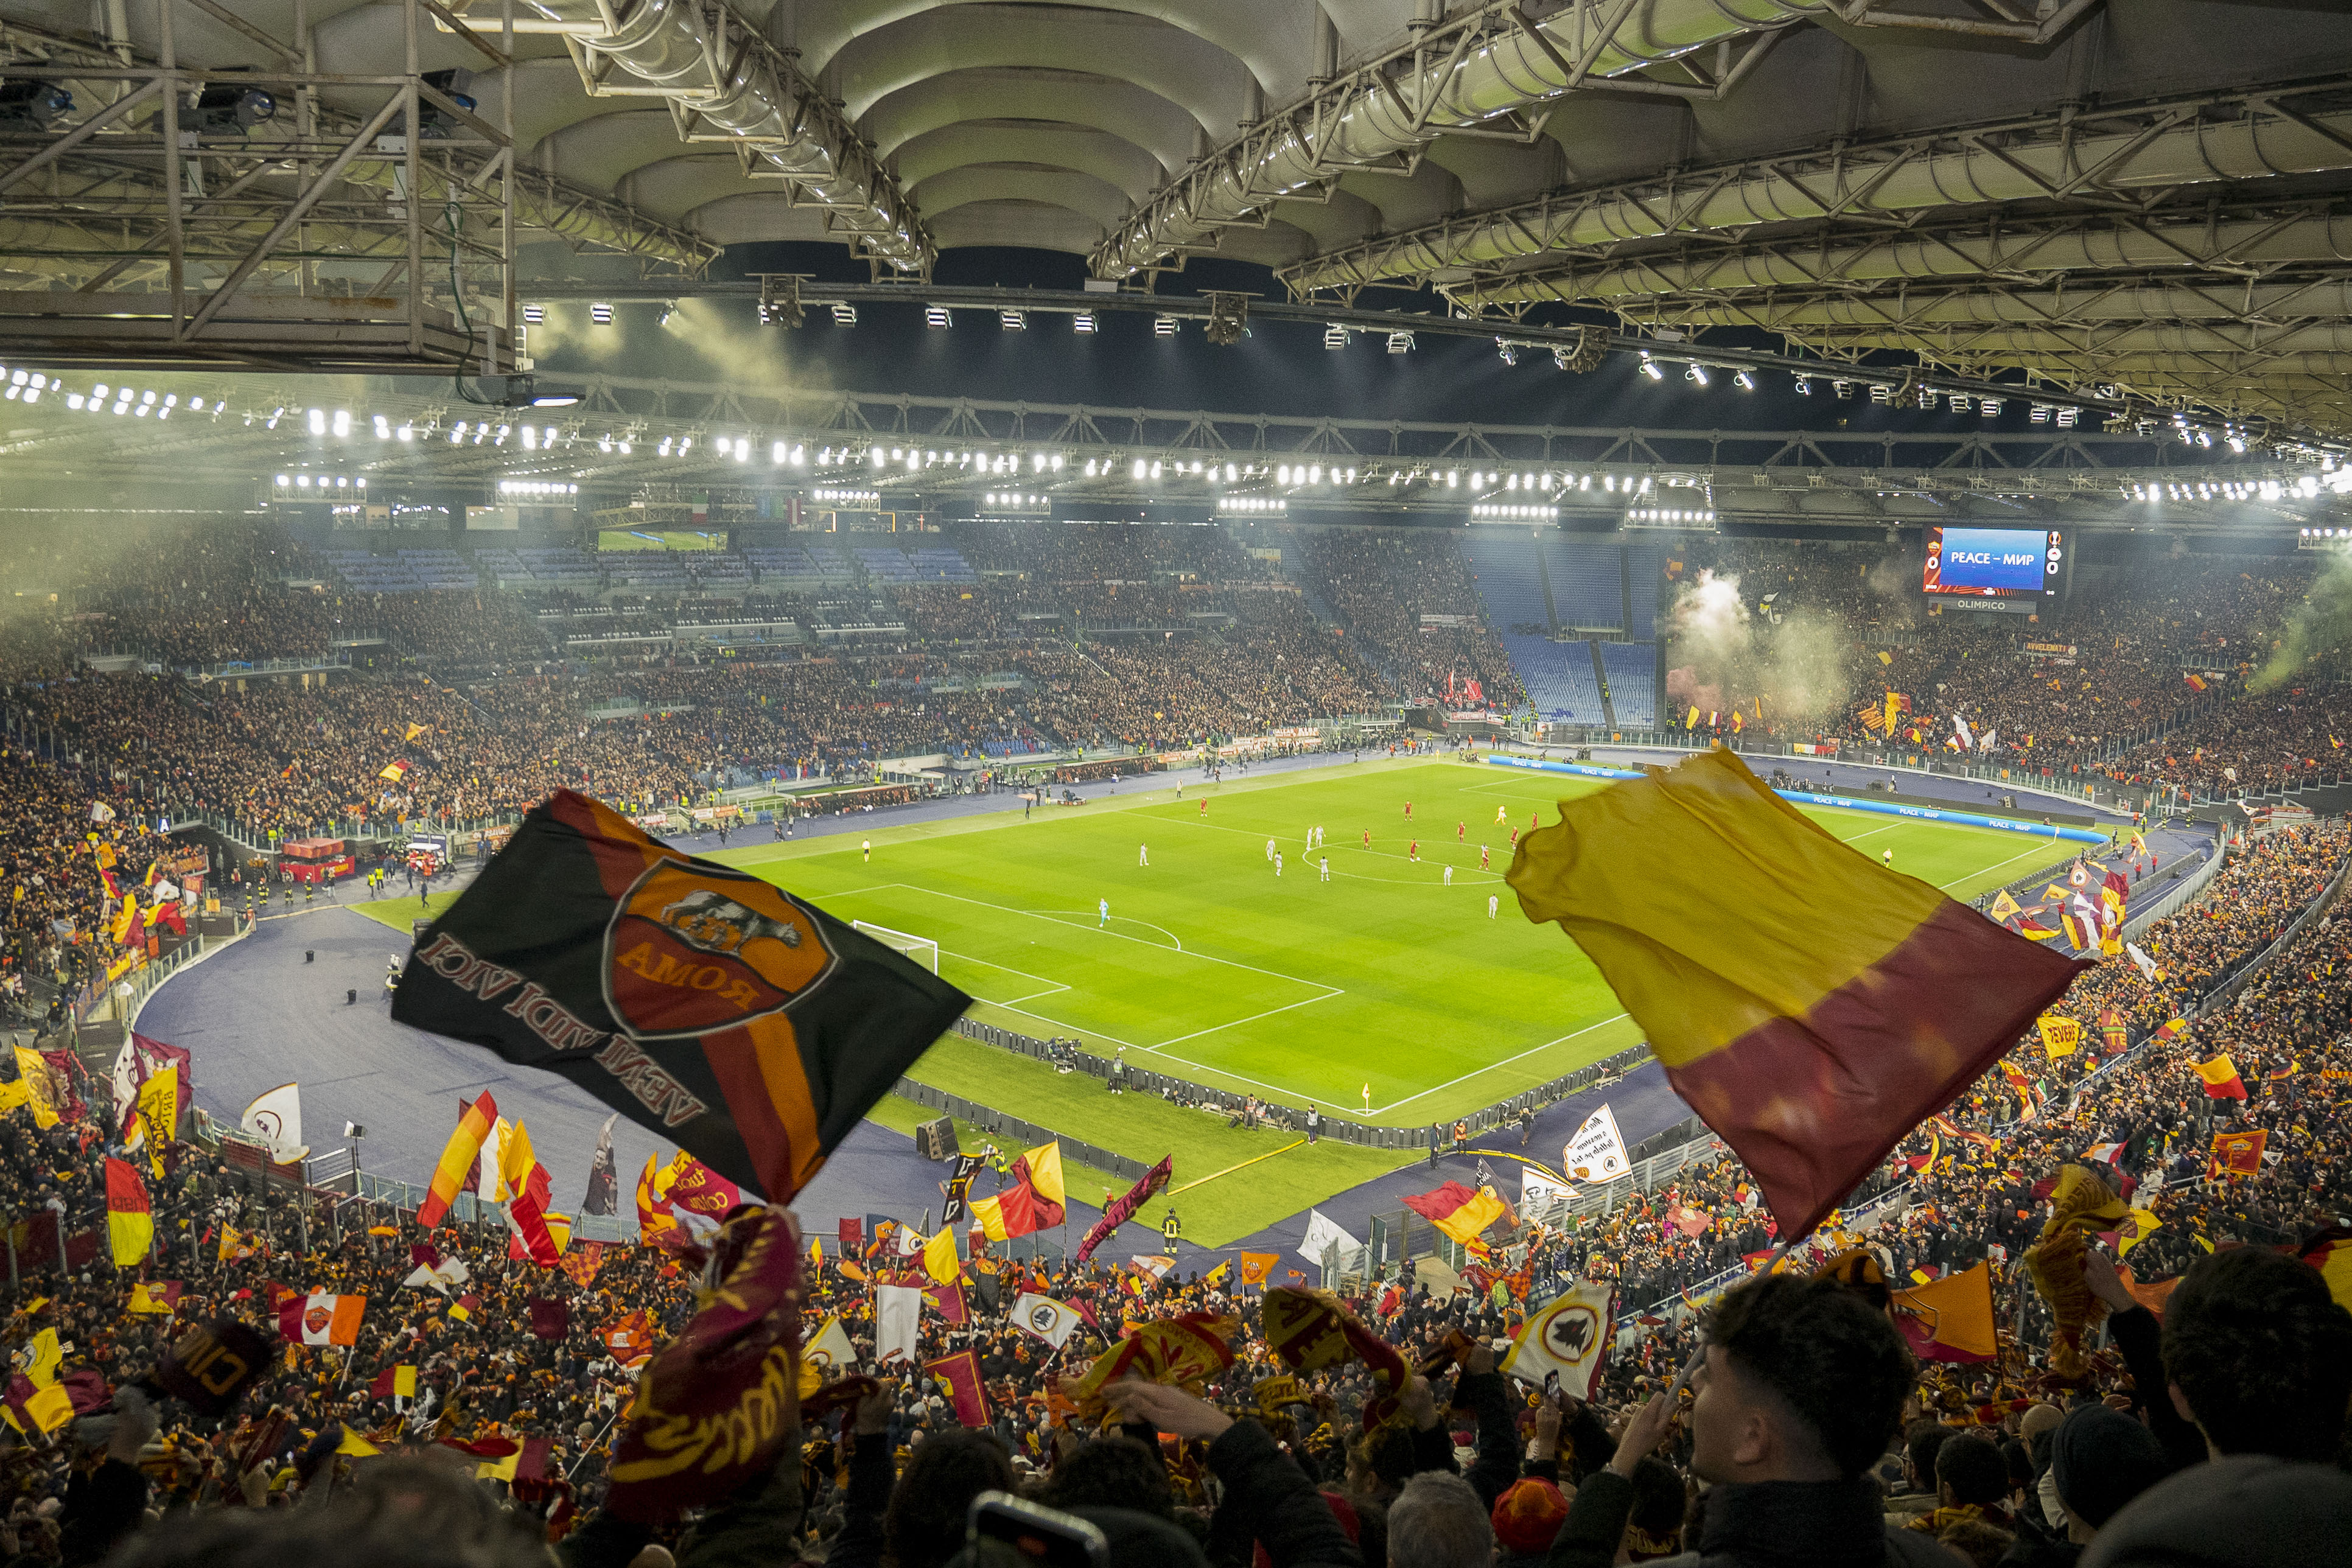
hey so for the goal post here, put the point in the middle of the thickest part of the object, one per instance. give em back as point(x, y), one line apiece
point(921, 949)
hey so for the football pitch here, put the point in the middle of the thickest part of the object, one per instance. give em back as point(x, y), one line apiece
point(1385, 982)
point(1386, 994)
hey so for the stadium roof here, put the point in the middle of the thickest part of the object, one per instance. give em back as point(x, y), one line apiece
point(2147, 196)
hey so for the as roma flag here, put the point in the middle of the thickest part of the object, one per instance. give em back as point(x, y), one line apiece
point(733, 1019)
point(1812, 1005)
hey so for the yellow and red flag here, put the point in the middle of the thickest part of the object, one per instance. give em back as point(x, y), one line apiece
point(2060, 1037)
point(959, 1376)
point(529, 1188)
point(130, 1222)
point(2238, 1153)
point(2330, 1252)
point(1812, 1005)
point(655, 1211)
point(1457, 1211)
point(1034, 1201)
point(1256, 1266)
point(457, 1157)
point(1310, 1330)
point(2221, 1079)
point(1951, 1319)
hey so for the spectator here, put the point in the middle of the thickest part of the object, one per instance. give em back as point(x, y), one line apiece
point(2259, 1355)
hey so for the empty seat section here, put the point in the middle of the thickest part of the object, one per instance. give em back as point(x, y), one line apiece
point(1645, 566)
point(1504, 566)
point(1632, 671)
point(1559, 677)
point(1586, 587)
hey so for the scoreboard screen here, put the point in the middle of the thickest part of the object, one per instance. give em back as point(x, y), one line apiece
point(1993, 563)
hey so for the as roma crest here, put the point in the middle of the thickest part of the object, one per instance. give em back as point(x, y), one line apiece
point(693, 949)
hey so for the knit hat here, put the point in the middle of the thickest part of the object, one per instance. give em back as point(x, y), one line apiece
point(1528, 1517)
point(2100, 1459)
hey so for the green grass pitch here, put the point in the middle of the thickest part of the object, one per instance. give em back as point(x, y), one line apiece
point(1209, 966)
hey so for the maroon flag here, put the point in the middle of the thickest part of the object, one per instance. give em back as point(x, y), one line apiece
point(549, 1319)
point(959, 1376)
point(1120, 1212)
point(717, 1405)
point(947, 1301)
point(852, 1237)
point(532, 1465)
point(734, 1021)
point(151, 1056)
point(210, 1365)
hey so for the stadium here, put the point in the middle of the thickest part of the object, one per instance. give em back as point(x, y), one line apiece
point(1403, 784)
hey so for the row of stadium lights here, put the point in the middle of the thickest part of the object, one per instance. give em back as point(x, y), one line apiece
point(2337, 481)
point(28, 387)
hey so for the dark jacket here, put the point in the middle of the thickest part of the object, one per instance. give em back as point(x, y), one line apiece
point(1267, 1499)
point(2140, 1338)
point(102, 1507)
point(872, 1474)
point(1771, 1524)
point(1483, 1393)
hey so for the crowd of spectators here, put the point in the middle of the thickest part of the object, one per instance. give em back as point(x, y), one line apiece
point(1488, 1465)
point(1814, 1436)
point(1409, 600)
point(2145, 675)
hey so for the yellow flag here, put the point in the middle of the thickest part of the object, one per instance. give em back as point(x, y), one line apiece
point(940, 1261)
point(356, 1446)
point(159, 1104)
point(41, 1367)
point(2060, 1037)
point(34, 1074)
point(50, 1408)
point(2137, 1227)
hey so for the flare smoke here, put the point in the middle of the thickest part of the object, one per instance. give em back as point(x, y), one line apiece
point(1728, 658)
point(2318, 627)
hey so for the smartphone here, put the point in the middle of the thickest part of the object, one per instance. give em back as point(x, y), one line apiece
point(1045, 1536)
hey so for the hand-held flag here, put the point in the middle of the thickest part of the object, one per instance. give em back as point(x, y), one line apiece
point(457, 1157)
point(717, 1405)
point(1457, 1211)
point(1034, 1201)
point(1569, 1336)
point(958, 1375)
point(320, 1319)
point(1045, 1317)
point(1124, 1208)
point(728, 1016)
point(898, 1323)
point(130, 1224)
point(1597, 1153)
point(1811, 1005)
point(2221, 1079)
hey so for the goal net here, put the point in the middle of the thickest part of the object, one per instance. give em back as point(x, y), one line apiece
point(921, 949)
